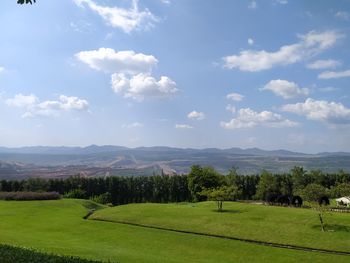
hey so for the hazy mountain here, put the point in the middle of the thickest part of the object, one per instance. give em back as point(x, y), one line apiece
point(96, 160)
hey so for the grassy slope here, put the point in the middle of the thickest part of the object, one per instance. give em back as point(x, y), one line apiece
point(58, 227)
point(250, 221)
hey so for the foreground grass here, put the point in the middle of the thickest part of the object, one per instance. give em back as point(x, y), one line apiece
point(9, 254)
point(299, 227)
point(57, 227)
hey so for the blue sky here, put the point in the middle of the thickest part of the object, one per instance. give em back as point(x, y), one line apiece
point(187, 73)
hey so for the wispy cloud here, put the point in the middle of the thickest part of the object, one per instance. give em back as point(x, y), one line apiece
point(324, 64)
point(309, 45)
point(132, 125)
point(33, 107)
point(126, 19)
point(196, 115)
point(183, 126)
point(334, 74)
point(234, 96)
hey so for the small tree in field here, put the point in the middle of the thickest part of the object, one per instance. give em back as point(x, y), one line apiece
point(221, 194)
point(315, 194)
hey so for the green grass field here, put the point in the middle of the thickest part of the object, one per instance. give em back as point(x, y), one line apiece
point(57, 227)
point(249, 221)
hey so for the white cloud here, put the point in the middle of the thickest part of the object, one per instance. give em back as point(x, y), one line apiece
point(183, 126)
point(248, 118)
point(334, 74)
point(320, 110)
point(282, 2)
point(132, 125)
point(109, 60)
point(20, 100)
point(122, 18)
point(2, 69)
point(167, 2)
point(252, 5)
point(342, 15)
point(324, 64)
point(132, 73)
point(285, 89)
point(143, 86)
point(234, 96)
point(309, 45)
point(33, 107)
point(231, 108)
point(250, 41)
point(195, 115)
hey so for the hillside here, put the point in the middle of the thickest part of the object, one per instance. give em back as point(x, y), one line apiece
point(116, 160)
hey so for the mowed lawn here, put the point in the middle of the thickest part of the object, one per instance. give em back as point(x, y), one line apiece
point(293, 226)
point(58, 227)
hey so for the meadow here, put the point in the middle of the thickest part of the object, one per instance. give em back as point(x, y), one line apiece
point(58, 227)
point(284, 225)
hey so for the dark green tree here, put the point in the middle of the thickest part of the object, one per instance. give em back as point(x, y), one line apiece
point(220, 194)
point(21, 2)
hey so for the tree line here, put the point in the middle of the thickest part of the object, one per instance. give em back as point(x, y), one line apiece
point(180, 188)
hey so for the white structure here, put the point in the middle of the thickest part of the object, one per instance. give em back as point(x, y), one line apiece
point(343, 201)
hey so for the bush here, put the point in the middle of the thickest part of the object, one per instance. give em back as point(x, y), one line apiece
point(27, 196)
point(76, 193)
point(105, 198)
point(9, 254)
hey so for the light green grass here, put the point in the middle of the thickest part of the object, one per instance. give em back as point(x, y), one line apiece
point(283, 225)
point(58, 227)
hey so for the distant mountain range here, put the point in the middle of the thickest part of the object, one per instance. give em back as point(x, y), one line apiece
point(47, 161)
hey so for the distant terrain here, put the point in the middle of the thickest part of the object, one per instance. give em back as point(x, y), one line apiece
point(61, 162)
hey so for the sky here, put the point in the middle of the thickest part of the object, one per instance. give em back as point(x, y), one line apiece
point(272, 74)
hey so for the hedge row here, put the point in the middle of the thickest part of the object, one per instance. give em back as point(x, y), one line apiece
point(27, 196)
point(10, 254)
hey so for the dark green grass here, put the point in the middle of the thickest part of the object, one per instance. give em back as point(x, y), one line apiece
point(57, 227)
point(292, 226)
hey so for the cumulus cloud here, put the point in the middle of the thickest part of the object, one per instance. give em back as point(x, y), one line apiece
point(109, 60)
point(248, 118)
point(309, 45)
point(323, 64)
point(2, 69)
point(143, 86)
point(234, 96)
point(320, 110)
point(195, 115)
point(132, 73)
point(33, 107)
point(285, 89)
point(132, 125)
point(334, 74)
point(183, 126)
point(125, 19)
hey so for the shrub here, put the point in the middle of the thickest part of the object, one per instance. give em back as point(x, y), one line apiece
point(27, 196)
point(102, 198)
point(9, 254)
point(76, 193)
